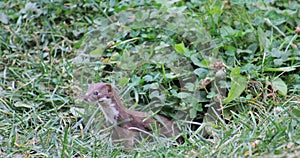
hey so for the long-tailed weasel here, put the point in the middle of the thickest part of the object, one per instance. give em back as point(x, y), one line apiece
point(127, 122)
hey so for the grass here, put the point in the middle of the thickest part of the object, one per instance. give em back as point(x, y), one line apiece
point(161, 56)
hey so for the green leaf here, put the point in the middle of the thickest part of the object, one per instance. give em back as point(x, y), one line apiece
point(180, 48)
point(78, 44)
point(154, 94)
point(97, 52)
point(227, 32)
point(296, 112)
point(148, 78)
point(196, 61)
point(201, 72)
point(193, 113)
point(171, 75)
point(280, 86)
point(238, 85)
point(182, 95)
point(122, 82)
point(262, 38)
point(205, 63)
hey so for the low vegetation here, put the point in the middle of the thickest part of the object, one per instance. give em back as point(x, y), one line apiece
point(175, 58)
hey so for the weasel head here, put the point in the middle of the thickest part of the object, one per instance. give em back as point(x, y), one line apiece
point(98, 92)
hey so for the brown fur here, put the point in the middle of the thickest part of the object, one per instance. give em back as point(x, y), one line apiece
point(129, 122)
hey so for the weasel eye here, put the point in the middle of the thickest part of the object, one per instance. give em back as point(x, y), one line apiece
point(96, 93)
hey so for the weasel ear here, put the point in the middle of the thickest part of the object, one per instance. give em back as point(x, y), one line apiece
point(108, 87)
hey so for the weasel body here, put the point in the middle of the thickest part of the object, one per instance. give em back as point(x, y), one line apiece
point(127, 121)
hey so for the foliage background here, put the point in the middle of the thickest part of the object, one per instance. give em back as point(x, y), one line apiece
point(157, 53)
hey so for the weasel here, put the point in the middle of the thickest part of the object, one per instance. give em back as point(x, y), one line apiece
point(127, 123)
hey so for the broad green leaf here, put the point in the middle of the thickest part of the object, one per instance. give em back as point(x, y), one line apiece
point(230, 51)
point(122, 82)
point(201, 72)
point(190, 86)
point(205, 63)
point(172, 75)
point(198, 62)
point(296, 112)
point(199, 107)
point(78, 44)
point(280, 86)
point(154, 94)
point(180, 48)
point(195, 60)
point(193, 113)
point(262, 38)
point(227, 32)
point(238, 85)
point(148, 78)
point(97, 52)
point(182, 95)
